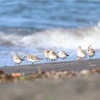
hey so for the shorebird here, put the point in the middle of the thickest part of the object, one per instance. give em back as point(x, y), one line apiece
point(90, 51)
point(80, 53)
point(32, 58)
point(52, 55)
point(45, 53)
point(61, 54)
point(17, 60)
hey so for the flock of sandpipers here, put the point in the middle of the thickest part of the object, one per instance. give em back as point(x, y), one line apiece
point(50, 55)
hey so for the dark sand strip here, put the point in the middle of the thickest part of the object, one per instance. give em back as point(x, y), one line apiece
point(56, 66)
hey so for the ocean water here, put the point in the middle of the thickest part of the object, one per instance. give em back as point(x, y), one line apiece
point(29, 26)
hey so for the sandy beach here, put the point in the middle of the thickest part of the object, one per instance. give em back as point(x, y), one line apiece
point(76, 88)
point(72, 88)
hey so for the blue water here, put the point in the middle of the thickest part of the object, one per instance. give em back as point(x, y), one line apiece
point(45, 14)
point(28, 26)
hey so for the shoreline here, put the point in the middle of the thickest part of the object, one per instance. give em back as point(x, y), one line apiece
point(56, 66)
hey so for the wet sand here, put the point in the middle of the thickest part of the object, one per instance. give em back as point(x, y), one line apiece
point(56, 66)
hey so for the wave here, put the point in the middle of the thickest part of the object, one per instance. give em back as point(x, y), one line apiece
point(54, 38)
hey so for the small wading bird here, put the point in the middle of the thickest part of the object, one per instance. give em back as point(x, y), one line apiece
point(52, 55)
point(32, 58)
point(17, 60)
point(61, 54)
point(80, 53)
point(45, 53)
point(90, 51)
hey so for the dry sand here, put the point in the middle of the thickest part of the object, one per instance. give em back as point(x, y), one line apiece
point(75, 88)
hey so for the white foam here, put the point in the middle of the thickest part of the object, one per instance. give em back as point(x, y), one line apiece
point(55, 38)
point(98, 24)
